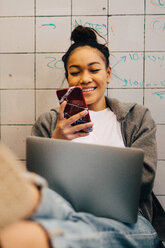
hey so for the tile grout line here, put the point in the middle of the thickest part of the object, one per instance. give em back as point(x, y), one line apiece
point(35, 66)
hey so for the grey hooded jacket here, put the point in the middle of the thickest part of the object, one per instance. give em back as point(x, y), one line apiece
point(138, 130)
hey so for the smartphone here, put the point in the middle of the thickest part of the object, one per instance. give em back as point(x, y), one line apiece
point(75, 104)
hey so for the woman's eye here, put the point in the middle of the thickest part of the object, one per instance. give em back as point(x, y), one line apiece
point(95, 71)
point(74, 73)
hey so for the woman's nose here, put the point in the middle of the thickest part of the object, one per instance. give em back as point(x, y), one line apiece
point(85, 78)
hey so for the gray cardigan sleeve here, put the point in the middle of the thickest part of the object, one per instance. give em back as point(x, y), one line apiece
point(45, 124)
point(141, 133)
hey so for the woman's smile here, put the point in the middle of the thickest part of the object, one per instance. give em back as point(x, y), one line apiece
point(88, 91)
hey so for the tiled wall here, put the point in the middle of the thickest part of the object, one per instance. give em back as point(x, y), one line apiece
point(34, 36)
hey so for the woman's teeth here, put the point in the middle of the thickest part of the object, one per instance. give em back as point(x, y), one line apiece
point(89, 89)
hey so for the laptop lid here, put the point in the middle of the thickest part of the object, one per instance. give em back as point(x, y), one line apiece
point(101, 180)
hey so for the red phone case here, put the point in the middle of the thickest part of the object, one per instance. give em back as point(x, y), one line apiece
point(75, 103)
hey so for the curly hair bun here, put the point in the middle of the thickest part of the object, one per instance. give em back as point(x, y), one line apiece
point(83, 34)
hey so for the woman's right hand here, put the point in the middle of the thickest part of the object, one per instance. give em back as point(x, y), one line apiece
point(64, 128)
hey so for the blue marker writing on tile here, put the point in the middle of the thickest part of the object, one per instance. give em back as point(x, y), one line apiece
point(50, 25)
point(158, 3)
point(160, 93)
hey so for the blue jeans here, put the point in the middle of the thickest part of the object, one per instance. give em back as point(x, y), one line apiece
point(69, 229)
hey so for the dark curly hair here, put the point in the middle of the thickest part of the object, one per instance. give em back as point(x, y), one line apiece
point(85, 36)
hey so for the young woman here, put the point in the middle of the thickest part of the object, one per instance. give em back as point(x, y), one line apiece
point(115, 124)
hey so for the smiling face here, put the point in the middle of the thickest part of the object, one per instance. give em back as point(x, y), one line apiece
point(87, 68)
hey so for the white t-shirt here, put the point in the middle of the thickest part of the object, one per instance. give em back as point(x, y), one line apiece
point(106, 129)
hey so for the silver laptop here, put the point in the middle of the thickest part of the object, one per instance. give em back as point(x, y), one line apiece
point(101, 180)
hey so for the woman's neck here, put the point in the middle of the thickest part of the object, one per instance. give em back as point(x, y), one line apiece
point(98, 107)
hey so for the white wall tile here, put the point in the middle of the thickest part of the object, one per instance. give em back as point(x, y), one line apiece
point(99, 23)
point(49, 36)
point(154, 70)
point(17, 106)
point(15, 138)
point(93, 7)
point(154, 99)
point(45, 101)
point(135, 95)
point(161, 141)
point(126, 33)
point(154, 40)
point(50, 71)
point(53, 7)
point(155, 7)
point(126, 7)
point(16, 7)
point(13, 36)
point(16, 71)
point(159, 186)
point(127, 70)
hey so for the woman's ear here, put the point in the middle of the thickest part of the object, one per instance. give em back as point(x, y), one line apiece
point(108, 74)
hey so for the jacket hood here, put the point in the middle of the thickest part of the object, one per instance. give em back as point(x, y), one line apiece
point(120, 109)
